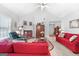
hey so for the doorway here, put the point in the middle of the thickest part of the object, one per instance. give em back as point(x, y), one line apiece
point(52, 25)
point(51, 29)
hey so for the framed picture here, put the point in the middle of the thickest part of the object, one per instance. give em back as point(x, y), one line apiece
point(30, 23)
point(74, 23)
point(24, 22)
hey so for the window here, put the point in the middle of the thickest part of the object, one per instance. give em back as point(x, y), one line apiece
point(4, 26)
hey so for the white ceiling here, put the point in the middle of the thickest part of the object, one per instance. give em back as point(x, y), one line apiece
point(20, 8)
point(63, 9)
point(57, 9)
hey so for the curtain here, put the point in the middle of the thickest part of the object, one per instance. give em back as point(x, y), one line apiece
point(5, 23)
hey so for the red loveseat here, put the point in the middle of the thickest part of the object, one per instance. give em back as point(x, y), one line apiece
point(23, 49)
point(73, 46)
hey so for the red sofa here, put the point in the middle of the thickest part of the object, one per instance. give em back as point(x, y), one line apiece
point(73, 46)
point(24, 49)
point(6, 46)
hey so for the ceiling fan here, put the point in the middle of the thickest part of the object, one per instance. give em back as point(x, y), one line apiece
point(42, 6)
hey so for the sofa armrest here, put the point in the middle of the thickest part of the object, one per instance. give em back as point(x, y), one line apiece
point(77, 44)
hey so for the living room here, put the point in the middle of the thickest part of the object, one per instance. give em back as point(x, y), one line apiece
point(37, 21)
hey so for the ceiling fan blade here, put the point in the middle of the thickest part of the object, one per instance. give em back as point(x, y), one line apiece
point(42, 6)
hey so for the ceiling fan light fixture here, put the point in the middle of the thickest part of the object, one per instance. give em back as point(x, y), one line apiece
point(43, 4)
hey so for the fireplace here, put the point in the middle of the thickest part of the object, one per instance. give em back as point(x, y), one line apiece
point(28, 33)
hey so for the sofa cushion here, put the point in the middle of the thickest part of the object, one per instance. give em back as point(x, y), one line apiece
point(6, 46)
point(22, 47)
point(5, 41)
point(73, 38)
point(68, 35)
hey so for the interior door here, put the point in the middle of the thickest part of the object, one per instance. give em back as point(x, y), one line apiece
point(39, 30)
point(51, 29)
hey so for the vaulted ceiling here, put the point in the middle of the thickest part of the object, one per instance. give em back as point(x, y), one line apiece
point(57, 9)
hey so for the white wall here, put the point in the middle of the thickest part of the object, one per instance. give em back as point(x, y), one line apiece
point(5, 12)
point(7, 15)
point(62, 12)
point(36, 17)
point(33, 17)
point(65, 22)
